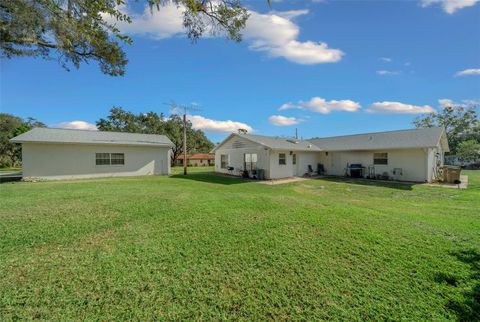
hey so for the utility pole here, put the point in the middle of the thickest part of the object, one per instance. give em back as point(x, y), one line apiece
point(184, 140)
point(185, 108)
point(296, 133)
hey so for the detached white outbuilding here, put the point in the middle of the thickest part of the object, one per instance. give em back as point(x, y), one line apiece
point(405, 155)
point(65, 154)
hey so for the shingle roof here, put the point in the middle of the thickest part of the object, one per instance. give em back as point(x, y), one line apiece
point(276, 142)
point(47, 135)
point(414, 138)
point(402, 139)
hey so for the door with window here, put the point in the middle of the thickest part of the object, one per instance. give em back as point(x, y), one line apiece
point(294, 164)
point(250, 160)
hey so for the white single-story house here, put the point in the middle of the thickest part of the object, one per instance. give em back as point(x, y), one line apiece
point(64, 154)
point(405, 155)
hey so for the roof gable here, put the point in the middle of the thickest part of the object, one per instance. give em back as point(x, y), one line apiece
point(48, 135)
point(271, 142)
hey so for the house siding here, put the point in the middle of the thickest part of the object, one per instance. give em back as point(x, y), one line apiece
point(413, 162)
point(69, 161)
point(304, 159)
point(236, 148)
point(281, 170)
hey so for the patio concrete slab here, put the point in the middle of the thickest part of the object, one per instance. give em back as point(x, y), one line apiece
point(283, 181)
point(462, 185)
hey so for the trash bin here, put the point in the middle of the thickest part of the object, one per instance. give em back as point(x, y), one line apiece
point(260, 174)
point(451, 174)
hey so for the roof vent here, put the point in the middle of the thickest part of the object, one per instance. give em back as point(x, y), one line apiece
point(292, 141)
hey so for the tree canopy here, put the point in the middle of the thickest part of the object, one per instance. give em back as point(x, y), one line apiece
point(76, 31)
point(153, 123)
point(11, 126)
point(469, 150)
point(460, 121)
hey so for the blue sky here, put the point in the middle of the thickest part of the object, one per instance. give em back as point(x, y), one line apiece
point(327, 68)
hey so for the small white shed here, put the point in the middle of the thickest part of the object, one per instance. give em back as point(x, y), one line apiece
point(66, 154)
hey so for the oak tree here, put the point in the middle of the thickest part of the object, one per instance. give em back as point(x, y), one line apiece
point(76, 31)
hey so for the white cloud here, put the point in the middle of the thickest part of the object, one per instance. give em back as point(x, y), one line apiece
point(157, 24)
point(450, 6)
point(445, 102)
point(386, 72)
point(209, 125)
point(276, 34)
point(471, 71)
point(290, 14)
point(279, 120)
point(77, 125)
point(320, 105)
point(386, 59)
point(399, 108)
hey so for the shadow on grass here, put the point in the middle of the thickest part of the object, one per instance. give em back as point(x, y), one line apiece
point(467, 308)
point(369, 182)
point(210, 177)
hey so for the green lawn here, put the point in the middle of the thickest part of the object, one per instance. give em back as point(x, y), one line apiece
point(179, 169)
point(207, 248)
point(10, 169)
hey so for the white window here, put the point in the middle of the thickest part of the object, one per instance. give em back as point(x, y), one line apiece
point(117, 158)
point(380, 158)
point(250, 161)
point(294, 159)
point(109, 158)
point(282, 159)
point(102, 158)
point(224, 161)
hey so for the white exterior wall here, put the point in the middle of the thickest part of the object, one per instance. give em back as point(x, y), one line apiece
point(236, 148)
point(413, 162)
point(304, 159)
point(436, 157)
point(267, 160)
point(430, 163)
point(68, 161)
point(278, 171)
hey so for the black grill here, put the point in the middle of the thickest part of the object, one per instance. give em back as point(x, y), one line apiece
point(356, 170)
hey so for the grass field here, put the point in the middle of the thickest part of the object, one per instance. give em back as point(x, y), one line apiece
point(10, 169)
point(205, 247)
